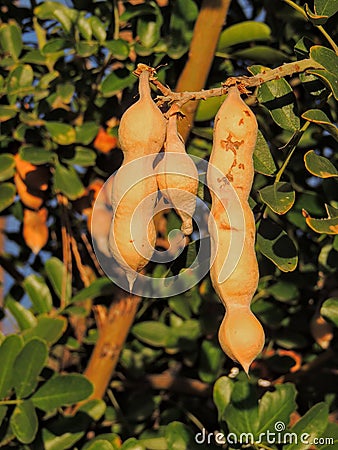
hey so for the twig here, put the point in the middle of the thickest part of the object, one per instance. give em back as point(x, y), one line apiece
point(256, 80)
point(66, 250)
point(320, 28)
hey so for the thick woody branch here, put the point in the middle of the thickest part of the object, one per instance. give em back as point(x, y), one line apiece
point(113, 330)
point(203, 45)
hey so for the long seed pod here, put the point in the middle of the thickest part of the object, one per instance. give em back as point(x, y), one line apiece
point(235, 132)
point(177, 175)
point(141, 133)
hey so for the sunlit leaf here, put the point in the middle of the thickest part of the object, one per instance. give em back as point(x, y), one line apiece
point(279, 197)
point(243, 32)
point(24, 422)
point(319, 117)
point(319, 165)
point(327, 225)
point(329, 310)
point(7, 194)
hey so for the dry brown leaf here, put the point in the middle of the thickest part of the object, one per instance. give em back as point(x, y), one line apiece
point(31, 199)
point(104, 142)
point(35, 177)
point(35, 230)
point(321, 330)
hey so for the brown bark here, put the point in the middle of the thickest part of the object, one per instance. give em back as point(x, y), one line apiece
point(113, 330)
point(201, 54)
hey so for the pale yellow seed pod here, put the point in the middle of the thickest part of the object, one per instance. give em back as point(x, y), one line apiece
point(141, 132)
point(235, 132)
point(177, 175)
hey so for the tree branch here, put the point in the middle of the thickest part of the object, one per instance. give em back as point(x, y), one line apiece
point(268, 75)
point(113, 331)
point(207, 29)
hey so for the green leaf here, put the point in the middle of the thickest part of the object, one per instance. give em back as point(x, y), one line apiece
point(39, 293)
point(67, 181)
point(329, 60)
point(94, 408)
point(56, 45)
point(54, 10)
point(86, 132)
point(23, 316)
point(208, 108)
point(50, 329)
point(132, 444)
point(100, 444)
point(279, 197)
point(62, 390)
point(24, 422)
point(247, 31)
point(7, 195)
point(84, 27)
point(9, 350)
point(276, 245)
point(277, 96)
point(98, 28)
point(241, 415)
point(262, 158)
point(57, 275)
point(117, 81)
point(330, 437)
point(60, 440)
point(329, 79)
point(179, 304)
point(61, 133)
point(319, 165)
point(7, 166)
point(315, 18)
point(152, 333)
point(11, 39)
point(83, 156)
point(85, 49)
point(326, 7)
point(149, 29)
point(7, 112)
point(211, 360)
point(20, 78)
point(187, 9)
point(3, 413)
point(326, 57)
point(178, 436)
point(276, 406)
point(329, 310)
point(119, 48)
point(283, 291)
point(99, 287)
point(222, 395)
point(28, 365)
point(313, 423)
point(328, 225)
point(319, 117)
point(36, 155)
point(261, 54)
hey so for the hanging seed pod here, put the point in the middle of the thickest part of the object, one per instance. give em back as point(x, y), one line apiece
point(241, 335)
